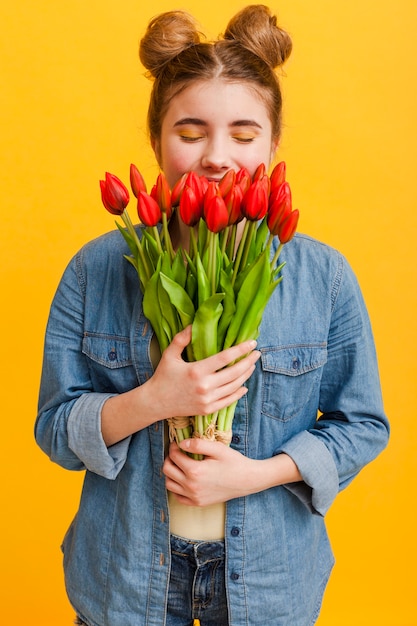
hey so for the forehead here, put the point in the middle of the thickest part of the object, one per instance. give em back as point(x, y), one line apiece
point(218, 102)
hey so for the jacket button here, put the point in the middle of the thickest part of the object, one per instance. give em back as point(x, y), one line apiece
point(235, 531)
point(234, 576)
point(112, 355)
point(235, 439)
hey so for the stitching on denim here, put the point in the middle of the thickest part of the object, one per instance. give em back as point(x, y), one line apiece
point(337, 281)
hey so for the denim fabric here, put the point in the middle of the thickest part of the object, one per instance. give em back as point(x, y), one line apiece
point(197, 587)
point(314, 395)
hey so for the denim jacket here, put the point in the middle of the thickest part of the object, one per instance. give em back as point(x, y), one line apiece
point(314, 395)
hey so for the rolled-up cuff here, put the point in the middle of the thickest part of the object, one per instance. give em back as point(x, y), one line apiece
point(86, 441)
point(320, 478)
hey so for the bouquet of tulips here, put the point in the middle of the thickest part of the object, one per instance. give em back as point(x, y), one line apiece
point(220, 285)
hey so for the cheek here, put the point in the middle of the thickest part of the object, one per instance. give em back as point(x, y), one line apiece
point(176, 160)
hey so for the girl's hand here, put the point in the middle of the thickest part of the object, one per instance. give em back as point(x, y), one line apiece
point(223, 474)
point(180, 388)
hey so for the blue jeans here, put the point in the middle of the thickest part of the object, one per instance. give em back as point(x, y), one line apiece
point(197, 584)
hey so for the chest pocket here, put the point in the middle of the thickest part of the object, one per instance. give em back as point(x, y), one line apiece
point(110, 362)
point(291, 379)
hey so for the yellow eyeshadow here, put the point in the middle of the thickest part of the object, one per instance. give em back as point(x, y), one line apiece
point(189, 134)
point(244, 136)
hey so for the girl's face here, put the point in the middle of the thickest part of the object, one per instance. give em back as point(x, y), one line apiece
point(211, 127)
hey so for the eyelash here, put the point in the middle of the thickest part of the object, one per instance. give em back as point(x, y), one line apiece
point(193, 139)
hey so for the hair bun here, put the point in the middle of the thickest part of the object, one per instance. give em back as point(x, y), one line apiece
point(167, 35)
point(255, 28)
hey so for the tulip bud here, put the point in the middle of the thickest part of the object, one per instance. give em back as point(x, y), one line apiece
point(227, 182)
point(259, 172)
point(288, 227)
point(243, 179)
point(280, 205)
point(190, 208)
point(233, 202)
point(114, 194)
point(211, 191)
point(279, 193)
point(162, 195)
point(177, 190)
point(278, 175)
point(255, 201)
point(149, 211)
point(216, 214)
point(136, 181)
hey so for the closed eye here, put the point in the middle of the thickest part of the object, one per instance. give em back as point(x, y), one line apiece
point(244, 137)
point(190, 137)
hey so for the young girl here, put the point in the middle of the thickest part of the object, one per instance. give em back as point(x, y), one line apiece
point(238, 538)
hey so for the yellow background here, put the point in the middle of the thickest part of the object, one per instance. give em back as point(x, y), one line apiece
point(73, 103)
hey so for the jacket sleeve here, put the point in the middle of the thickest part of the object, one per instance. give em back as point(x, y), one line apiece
point(352, 428)
point(68, 425)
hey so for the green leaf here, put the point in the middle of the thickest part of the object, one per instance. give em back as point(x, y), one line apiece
point(204, 331)
point(203, 285)
point(179, 269)
point(251, 298)
point(168, 311)
point(152, 310)
point(229, 308)
point(179, 299)
point(131, 260)
point(128, 238)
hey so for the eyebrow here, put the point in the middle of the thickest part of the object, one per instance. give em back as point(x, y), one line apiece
point(195, 121)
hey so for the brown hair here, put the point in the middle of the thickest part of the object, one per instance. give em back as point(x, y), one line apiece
point(174, 53)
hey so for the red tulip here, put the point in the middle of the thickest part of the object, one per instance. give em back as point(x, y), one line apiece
point(288, 227)
point(255, 201)
point(149, 211)
point(233, 202)
point(216, 214)
point(136, 181)
point(177, 190)
point(259, 172)
point(227, 182)
point(243, 179)
point(191, 209)
point(197, 184)
point(278, 175)
point(211, 191)
point(280, 205)
point(114, 194)
point(162, 195)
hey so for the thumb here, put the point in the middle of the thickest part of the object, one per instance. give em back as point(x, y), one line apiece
point(181, 340)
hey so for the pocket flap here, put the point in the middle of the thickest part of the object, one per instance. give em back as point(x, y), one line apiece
point(295, 359)
point(108, 350)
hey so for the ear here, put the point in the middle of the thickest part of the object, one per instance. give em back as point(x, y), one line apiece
point(156, 147)
point(274, 149)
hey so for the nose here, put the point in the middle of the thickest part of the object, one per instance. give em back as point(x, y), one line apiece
point(215, 157)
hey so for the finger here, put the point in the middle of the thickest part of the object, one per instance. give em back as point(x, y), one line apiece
point(241, 370)
point(201, 446)
point(228, 356)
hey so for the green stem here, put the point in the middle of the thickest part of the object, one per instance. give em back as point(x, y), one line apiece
point(193, 243)
point(276, 255)
point(129, 225)
point(167, 237)
point(251, 228)
point(240, 253)
point(157, 239)
point(232, 242)
point(211, 264)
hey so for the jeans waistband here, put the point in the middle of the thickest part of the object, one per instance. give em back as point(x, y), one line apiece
point(199, 551)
